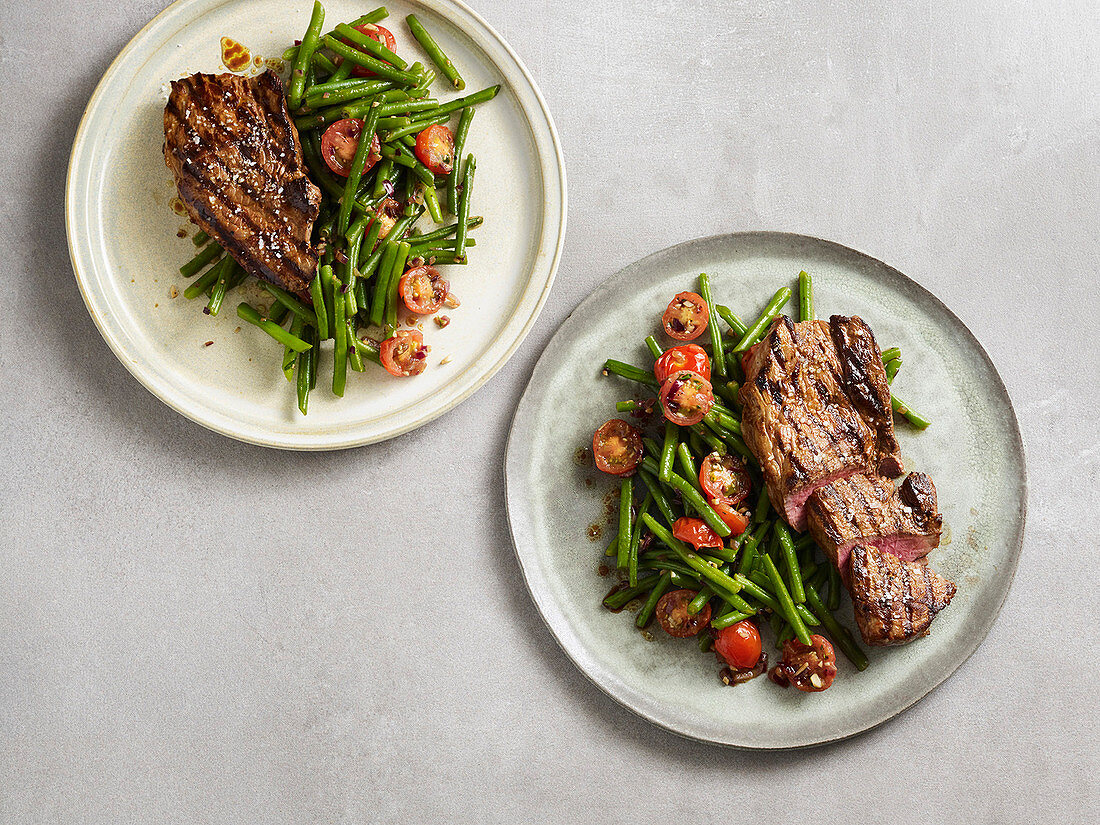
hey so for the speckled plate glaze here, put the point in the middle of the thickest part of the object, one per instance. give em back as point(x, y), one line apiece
point(972, 450)
point(126, 253)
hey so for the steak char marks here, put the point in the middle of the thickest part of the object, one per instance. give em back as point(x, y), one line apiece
point(817, 417)
point(870, 510)
point(238, 164)
point(817, 409)
point(894, 601)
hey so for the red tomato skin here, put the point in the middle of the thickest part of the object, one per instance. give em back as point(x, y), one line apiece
point(706, 480)
point(673, 617)
point(739, 644)
point(345, 134)
point(406, 289)
point(404, 354)
point(435, 148)
point(737, 521)
point(671, 404)
point(632, 455)
point(673, 321)
point(380, 34)
point(691, 357)
point(695, 532)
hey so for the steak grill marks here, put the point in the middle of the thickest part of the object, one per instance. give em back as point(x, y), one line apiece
point(238, 165)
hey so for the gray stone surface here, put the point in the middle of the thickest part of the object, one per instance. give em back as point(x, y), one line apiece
point(196, 630)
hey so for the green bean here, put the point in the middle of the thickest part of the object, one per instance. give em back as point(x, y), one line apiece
point(716, 444)
point(423, 250)
point(654, 347)
point(834, 587)
point(892, 368)
point(456, 170)
point(484, 96)
point(621, 598)
point(635, 540)
point(367, 348)
point(290, 357)
point(668, 451)
point(385, 268)
point(659, 497)
point(804, 541)
point(735, 323)
point(355, 174)
point(890, 354)
point(200, 239)
point(340, 350)
point(204, 256)
point(403, 157)
point(631, 372)
point(723, 419)
point(252, 315)
point(328, 284)
point(727, 587)
point(369, 45)
point(718, 355)
point(732, 387)
point(645, 615)
point(413, 127)
point(798, 590)
point(226, 270)
point(840, 634)
point(914, 418)
point(760, 326)
point(359, 58)
point(431, 200)
point(291, 303)
point(447, 231)
point(748, 550)
point(305, 375)
point(321, 61)
point(730, 619)
point(763, 505)
point(320, 310)
point(395, 107)
point(435, 52)
point(345, 91)
point(203, 283)
point(394, 298)
point(384, 169)
point(626, 503)
point(464, 204)
point(805, 296)
point(700, 600)
point(302, 58)
point(786, 604)
point(447, 258)
point(687, 463)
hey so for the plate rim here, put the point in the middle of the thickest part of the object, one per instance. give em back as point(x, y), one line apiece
point(335, 440)
point(974, 641)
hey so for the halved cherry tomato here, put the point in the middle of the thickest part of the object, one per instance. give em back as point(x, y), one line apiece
point(684, 357)
point(435, 148)
point(405, 353)
point(379, 34)
point(617, 447)
point(687, 317)
point(672, 614)
point(423, 290)
point(686, 397)
point(739, 644)
point(695, 531)
point(725, 479)
point(812, 667)
point(737, 521)
point(339, 142)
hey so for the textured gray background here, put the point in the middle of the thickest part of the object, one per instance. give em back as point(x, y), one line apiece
point(196, 630)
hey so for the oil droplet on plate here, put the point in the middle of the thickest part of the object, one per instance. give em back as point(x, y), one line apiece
point(235, 56)
point(176, 205)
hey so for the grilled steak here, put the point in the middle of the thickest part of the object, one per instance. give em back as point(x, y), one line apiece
point(817, 409)
point(238, 166)
point(863, 509)
point(894, 601)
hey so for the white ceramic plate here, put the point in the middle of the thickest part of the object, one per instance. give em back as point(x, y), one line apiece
point(126, 253)
point(972, 451)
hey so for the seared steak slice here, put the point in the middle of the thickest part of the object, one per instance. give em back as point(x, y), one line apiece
point(868, 510)
point(816, 409)
point(235, 153)
point(894, 601)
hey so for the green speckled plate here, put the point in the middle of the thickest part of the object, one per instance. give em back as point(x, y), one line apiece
point(972, 450)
